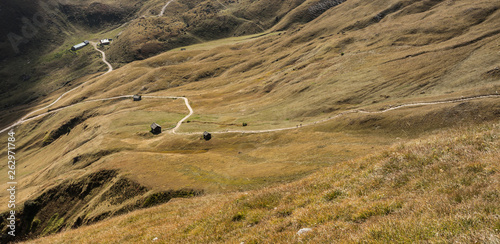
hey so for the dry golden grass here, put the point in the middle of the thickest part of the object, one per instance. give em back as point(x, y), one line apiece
point(443, 188)
point(302, 74)
point(189, 22)
point(226, 163)
point(415, 53)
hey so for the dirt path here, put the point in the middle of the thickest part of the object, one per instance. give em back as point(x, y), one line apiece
point(25, 118)
point(164, 8)
point(191, 112)
point(186, 101)
point(222, 4)
point(72, 105)
point(110, 68)
point(358, 111)
point(29, 116)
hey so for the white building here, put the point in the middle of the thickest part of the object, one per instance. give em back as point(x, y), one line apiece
point(105, 41)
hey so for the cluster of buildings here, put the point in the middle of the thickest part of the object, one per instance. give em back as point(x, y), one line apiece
point(85, 43)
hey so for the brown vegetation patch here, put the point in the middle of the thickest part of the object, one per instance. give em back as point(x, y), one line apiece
point(494, 73)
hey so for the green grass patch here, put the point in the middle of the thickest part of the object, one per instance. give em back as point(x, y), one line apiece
point(53, 225)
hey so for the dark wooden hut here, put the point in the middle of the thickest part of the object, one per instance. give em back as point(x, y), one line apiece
point(155, 128)
point(207, 136)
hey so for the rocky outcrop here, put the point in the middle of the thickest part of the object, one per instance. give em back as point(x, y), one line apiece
point(86, 200)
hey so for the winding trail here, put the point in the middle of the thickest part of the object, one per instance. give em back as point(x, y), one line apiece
point(72, 105)
point(222, 4)
point(191, 112)
point(362, 112)
point(29, 116)
point(110, 68)
point(164, 8)
point(25, 118)
point(174, 130)
point(186, 101)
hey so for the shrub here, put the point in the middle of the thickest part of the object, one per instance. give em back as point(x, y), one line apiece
point(238, 217)
point(34, 225)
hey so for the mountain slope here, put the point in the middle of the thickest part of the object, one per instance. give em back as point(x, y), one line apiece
point(437, 189)
point(356, 56)
point(188, 22)
point(35, 39)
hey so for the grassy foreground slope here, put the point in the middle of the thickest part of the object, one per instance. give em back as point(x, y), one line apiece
point(441, 188)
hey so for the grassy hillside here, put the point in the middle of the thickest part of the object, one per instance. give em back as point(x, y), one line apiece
point(36, 62)
point(187, 22)
point(35, 42)
point(356, 56)
point(442, 188)
point(332, 63)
